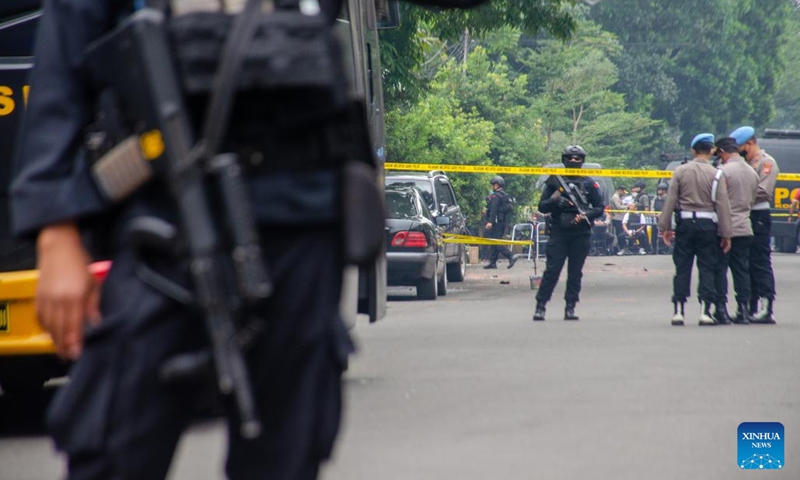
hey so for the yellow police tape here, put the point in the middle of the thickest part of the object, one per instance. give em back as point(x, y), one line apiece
point(498, 169)
point(470, 240)
point(650, 212)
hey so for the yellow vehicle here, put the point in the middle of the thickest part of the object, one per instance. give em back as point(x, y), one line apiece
point(27, 355)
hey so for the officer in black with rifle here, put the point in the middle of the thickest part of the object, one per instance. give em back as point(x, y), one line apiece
point(220, 190)
point(498, 211)
point(573, 203)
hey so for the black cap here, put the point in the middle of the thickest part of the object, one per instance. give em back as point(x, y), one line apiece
point(727, 144)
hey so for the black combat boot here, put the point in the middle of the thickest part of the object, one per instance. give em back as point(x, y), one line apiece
point(705, 318)
point(490, 266)
point(721, 314)
point(742, 315)
point(765, 317)
point(569, 311)
point(512, 260)
point(753, 310)
point(677, 317)
point(538, 315)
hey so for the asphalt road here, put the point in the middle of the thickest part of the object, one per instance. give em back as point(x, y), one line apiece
point(467, 387)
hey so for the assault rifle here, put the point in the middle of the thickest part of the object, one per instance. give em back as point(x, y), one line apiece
point(142, 94)
point(575, 195)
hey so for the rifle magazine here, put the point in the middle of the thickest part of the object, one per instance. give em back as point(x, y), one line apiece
point(122, 170)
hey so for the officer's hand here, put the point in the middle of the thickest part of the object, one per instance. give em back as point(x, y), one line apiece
point(668, 236)
point(488, 225)
point(67, 296)
point(579, 218)
point(563, 202)
point(725, 244)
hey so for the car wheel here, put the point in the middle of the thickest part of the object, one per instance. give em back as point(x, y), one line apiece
point(427, 288)
point(442, 287)
point(457, 271)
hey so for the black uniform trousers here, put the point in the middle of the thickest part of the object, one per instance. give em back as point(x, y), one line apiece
point(738, 259)
point(560, 248)
point(496, 251)
point(115, 420)
point(695, 238)
point(762, 278)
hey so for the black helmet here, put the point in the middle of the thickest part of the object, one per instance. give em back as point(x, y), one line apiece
point(569, 155)
point(639, 184)
point(498, 180)
point(662, 186)
point(573, 150)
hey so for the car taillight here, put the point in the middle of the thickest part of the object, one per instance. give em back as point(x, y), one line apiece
point(409, 239)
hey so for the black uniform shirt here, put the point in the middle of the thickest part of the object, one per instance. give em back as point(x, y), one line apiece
point(495, 208)
point(591, 189)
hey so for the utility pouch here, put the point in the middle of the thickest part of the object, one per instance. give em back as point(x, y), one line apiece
point(292, 64)
point(362, 200)
point(363, 214)
point(566, 221)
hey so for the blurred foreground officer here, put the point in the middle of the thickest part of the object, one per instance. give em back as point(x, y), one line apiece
point(570, 231)
point(762, 278)
point(698, 195)
point(115, 419)
point(498, 211)
point(742, 182)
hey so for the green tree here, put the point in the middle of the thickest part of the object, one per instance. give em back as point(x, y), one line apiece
point(787, 97)
point(405, 50)
point(572, 82)
point(437, 130)
point(699, 64)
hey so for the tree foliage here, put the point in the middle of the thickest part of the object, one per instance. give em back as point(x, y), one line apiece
point(699, 64)
point(423, 30)
point(787, 97)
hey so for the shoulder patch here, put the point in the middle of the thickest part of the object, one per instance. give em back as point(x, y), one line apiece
point(767, 168)
point(597, 185)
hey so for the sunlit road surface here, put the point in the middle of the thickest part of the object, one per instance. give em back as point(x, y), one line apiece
point(468, 387)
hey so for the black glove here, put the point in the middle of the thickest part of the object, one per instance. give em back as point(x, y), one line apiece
point(563, 203)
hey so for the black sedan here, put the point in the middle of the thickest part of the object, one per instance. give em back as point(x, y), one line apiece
point(414, 245)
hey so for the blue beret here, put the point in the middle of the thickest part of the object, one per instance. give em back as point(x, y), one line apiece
point(703, 137)
point(743, 134)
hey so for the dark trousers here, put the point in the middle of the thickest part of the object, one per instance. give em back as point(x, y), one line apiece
point(762, 279)
point(496, 251)
point(738, 259)
point(695, 238)
point(560, 248)
point(116, 420)
point(640, 237)
point(619, 232)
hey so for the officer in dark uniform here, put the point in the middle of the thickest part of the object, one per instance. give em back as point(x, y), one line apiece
point(698, 195)
point(569, 232)
point(496, 222)
point(656, 205)
point(115, 419)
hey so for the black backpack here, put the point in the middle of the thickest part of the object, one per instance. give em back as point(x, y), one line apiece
point(507, 203)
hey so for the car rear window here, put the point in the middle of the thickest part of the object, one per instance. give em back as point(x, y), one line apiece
point(425, 188)
point(399, 205)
